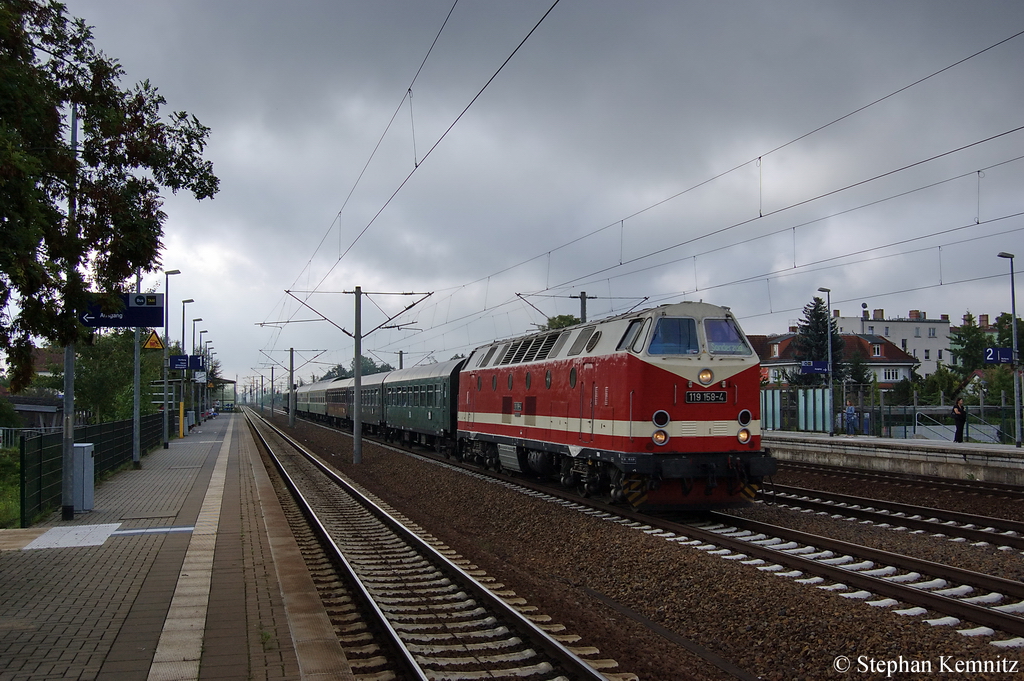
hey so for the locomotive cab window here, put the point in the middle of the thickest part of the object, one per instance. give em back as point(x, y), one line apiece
point(724, 337)
point(632, 331)
point(675, 336)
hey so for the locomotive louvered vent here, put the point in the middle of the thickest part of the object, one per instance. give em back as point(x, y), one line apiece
point(510, 352)
point(581, 340)
point(548, 343)
point(535, 346)
point(521, 351)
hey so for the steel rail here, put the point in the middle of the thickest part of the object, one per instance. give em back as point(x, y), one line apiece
point(819, 501)
point(556, 650)
point(336, 554)
point(973, 487)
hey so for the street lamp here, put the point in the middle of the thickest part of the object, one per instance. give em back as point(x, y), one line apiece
point(167, 298)
point(181, 404)
point(1016, 371)
point(828, 293)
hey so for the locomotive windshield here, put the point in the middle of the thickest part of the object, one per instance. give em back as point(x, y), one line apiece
point(724, 338)
point(675, 336)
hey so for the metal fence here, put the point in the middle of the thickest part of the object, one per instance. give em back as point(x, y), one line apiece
point(811, 410)
point(42, 459)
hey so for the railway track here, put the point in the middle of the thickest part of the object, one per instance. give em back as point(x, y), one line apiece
point(1006, 534)
point(978, 487)
point(976, 604)
point(406, 605)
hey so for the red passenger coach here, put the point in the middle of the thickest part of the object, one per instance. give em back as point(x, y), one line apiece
point(660, 408)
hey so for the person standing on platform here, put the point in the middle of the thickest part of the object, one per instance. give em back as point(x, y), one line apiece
point(851, 418)
point(960, 419)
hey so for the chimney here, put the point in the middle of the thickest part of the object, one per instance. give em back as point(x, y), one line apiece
point(864, 314)
point(879, 314)
point(924, 315)
point(835, 313)
point(915, 315)
point(983, 321)
point(944, 317)
point(793, 329)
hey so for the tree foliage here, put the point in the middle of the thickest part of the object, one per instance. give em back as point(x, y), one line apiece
point(75, 219)
point(562, 321)
point(967, 345)
point(811, 342)
point(105, 376)
point(368, 368)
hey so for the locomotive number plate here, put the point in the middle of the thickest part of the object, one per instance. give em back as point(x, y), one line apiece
point(704, 396)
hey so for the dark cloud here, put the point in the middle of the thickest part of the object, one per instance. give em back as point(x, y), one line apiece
point(608, 110)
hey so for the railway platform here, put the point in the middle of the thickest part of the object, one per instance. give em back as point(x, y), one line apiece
point(184, 569)
point(995, 463)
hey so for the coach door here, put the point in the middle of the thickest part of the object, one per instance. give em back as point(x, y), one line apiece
point(588, 400)
point(472, 390)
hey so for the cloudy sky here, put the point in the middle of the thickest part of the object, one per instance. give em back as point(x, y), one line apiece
point(743, 153)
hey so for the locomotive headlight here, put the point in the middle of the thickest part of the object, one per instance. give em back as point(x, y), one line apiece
point(745, 417)
point(661, 418)
point(743, 436)
point(660, 437)
point(705, 376)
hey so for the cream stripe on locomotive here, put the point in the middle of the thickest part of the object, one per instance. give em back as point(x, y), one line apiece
point(605, 427)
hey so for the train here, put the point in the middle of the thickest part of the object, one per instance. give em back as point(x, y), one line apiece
point(658, 408)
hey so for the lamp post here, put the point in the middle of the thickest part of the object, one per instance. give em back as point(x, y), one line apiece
point(167, 297)
point(828, 293)
point(197, 392)
point(181, 404)
point(1016, 370)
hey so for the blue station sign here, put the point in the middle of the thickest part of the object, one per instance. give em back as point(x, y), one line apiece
point(178, 362)
point(137, 310)
point(998, 355)
point(813, 367)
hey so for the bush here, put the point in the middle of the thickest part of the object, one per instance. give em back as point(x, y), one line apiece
point(10, 488)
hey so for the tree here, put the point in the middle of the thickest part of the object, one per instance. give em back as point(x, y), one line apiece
point(811, 342)
point(1004, 331)
point(857, 369)
point(562, 321)
point(105, 377)
point(71, 220)
point(967, 345)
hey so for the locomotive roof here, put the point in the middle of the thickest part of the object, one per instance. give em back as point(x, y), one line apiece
point(685, 307)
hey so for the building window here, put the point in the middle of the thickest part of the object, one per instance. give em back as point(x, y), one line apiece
point(931, 332)
point(886, 331)
point(775, 349)
point(903, 344)
point(927, 353)
point(892, 374)
point(915, 352)
point(876, 350)
point(917, 332)
point(940, 354)
point(871, 329)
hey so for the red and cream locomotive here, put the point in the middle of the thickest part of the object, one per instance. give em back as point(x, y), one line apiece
point(659, 408)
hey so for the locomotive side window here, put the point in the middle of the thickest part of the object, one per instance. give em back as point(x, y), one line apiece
point(724, 338)
point(592, 343)
point(631, 333)
point(487, 357)
point(581, 340)
point(638, 344)
point(675, 336)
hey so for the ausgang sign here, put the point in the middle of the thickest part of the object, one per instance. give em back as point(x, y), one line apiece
point(137, 309)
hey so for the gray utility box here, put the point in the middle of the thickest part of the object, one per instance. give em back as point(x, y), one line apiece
point(82, 492)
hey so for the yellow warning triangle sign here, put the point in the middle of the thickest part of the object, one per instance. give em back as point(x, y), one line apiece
point(153, 342)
